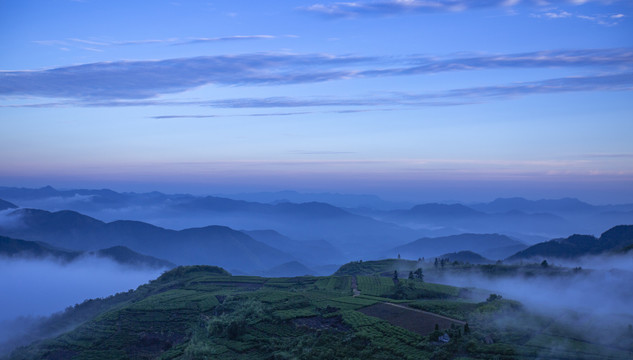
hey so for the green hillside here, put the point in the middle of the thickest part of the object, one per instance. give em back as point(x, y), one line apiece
point(202, 312)
point(377, 267)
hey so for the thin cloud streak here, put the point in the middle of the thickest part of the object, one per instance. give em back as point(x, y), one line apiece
point(456, 97)
point(600, 19)
point(146, 79)
point(225, 38)
point(398, 7)
point(99, 45)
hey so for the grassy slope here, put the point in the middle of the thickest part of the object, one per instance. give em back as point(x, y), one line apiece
point(205, 313)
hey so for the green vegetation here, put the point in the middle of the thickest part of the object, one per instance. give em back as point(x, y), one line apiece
point(202, 312)
point(378, 267)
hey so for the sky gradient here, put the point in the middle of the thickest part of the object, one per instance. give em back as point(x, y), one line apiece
point(419, 100)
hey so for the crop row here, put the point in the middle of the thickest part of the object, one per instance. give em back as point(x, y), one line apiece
point(374, 285)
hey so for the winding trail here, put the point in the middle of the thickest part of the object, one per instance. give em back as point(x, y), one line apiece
point(426, 312)
point(355, 290)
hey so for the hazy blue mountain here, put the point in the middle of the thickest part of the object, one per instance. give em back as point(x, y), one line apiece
point(126, 256)
point(433, 247)
point(22, 249)
point(565, 205)
point(339, 200)
point(354, 234)
point(435, 210)
point(574, 246)
point(456, 218)
point(305, 221)
point(7, 205)
point(466, 257)
point(289, 269)
point(207, 245)
point(309, 252)
point(27, 195)
point(15, 248)
point(503, 252)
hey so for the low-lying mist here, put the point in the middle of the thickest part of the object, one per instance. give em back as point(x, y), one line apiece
point(592, 304)
point(602, 285)
point(34, 288)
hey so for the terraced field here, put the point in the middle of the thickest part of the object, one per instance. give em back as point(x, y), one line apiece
point(417, 321)
point(205, 313)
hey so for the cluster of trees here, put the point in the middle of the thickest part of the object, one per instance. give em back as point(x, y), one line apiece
point(441, 262)
point(413, 275)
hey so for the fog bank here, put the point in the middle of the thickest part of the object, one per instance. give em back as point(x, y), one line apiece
point(42, 287)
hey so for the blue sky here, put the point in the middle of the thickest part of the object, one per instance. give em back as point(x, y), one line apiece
point(422, 100)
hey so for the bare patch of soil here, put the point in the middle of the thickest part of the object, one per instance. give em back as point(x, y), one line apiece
point(417, 321)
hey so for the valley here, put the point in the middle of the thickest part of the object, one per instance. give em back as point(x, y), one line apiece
point(310, 294)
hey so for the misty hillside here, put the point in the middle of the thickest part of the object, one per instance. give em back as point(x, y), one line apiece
point(289, 269)
point(4, 205)
point(306, 222)
point(352, 230)
point(126, 256)
point(456, 218)
point(336, 199)
point(433, 247)
point(31, 250)
point(529, 220)
point(309, 252)
point(208, 245)
point(614, 239)
point(466, 257)
point(15, 248)
point(555, 206)
point(383, 267)
point(438, 211)
point(302, 221)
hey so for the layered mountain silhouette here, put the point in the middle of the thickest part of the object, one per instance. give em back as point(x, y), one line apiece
point(304, 221)
point(433, 247)
point(554, 206)
point(32, 250)
point(309, 252)
point(207, 245)
point(458, 218)
point(616, 239)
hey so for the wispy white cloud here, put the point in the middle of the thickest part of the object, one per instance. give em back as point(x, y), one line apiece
point(126, 80)
point(224, 38)
point(393, 7)
point(600, 19)
point(102, 44)
point(380, 102)
point(555, 14)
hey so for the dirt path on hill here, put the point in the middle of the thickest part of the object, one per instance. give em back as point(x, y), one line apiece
point(355, 290)
point(418, 321)
point(428, 313)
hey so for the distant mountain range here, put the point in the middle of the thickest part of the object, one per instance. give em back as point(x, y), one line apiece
point(305, 221)
point(208, 245)
point(339, 200)
point(480, 243)
point(615, 239)
point(31, 250)
point(309, 252)
point(555, 206)
point(175, 226)
point(345, 221)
